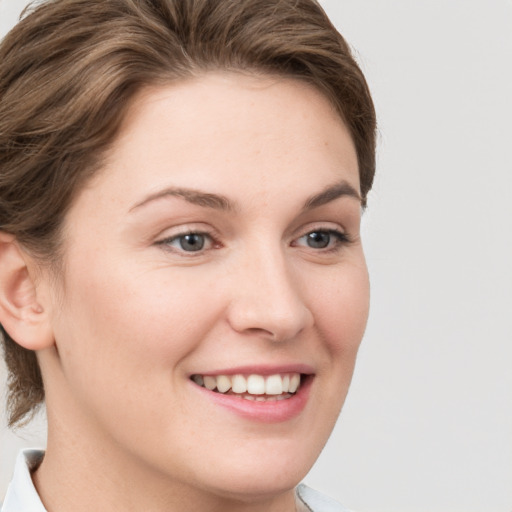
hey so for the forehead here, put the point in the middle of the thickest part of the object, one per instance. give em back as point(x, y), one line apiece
point(223, 129)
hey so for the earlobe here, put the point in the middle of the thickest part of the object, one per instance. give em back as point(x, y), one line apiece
point(22, 314)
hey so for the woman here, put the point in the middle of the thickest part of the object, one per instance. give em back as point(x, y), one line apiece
point(182, 279)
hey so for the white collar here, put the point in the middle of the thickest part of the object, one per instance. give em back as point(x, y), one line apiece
point(316, 501)
point(21, 494)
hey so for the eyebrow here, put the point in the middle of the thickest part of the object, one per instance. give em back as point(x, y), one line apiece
point(220, 202)
point(341, 189)
point(205, 199)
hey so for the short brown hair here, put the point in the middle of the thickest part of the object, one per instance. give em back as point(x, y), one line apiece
point(70, 68)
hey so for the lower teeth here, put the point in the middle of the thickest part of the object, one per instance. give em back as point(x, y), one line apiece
point(263, 398)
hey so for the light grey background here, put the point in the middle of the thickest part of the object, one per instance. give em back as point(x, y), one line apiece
point(428, 422)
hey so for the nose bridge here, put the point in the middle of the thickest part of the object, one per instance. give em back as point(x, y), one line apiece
point(266, 298)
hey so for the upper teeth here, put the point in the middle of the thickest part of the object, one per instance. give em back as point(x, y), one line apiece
point(252, 384)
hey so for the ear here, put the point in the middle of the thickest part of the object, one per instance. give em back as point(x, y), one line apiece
point(21, 313)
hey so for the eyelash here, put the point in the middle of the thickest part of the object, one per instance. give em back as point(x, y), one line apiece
point(340, 239)
point(166, 242)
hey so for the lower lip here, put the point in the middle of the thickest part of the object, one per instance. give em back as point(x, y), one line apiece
point(275, 411)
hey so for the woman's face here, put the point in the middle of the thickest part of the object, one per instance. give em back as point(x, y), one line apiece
point(220, 240)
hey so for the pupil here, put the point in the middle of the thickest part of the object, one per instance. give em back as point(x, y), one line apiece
point(192, 242)
point(319, 240)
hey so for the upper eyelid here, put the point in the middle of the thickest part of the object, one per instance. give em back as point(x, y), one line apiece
point(173, 232)
point(342, 235)
point(319, 226)
point(185, 229)
point(323, 230)
point(185, 233)
point(165, 245)
point(213, 234)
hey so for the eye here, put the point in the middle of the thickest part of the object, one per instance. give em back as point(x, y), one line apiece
point(188, 242)
point(323, 239)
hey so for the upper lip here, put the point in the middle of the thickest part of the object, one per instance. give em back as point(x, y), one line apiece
point(260, 370)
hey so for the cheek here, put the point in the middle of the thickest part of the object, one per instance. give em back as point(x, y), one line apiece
point(341, 308)
point(341, 312)
point(121, 343)
point(120, 322)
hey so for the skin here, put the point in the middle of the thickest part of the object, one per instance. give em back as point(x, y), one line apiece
point(133, 317)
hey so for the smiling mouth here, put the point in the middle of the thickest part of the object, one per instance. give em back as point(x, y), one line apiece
point(259, 388)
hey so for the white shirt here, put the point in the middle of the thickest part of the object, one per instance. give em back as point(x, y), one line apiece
point(22, 496)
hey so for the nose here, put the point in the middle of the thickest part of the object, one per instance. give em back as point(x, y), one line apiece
point(267, 299)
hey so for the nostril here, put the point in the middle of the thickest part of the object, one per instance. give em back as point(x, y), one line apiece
point(258, 331)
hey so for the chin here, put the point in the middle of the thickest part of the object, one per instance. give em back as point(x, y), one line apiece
point(256, 486)
point(259, 477)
